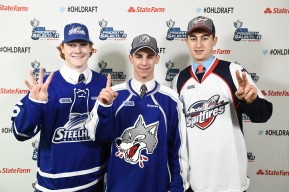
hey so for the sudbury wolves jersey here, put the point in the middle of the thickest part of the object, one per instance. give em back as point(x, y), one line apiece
point(148, 144)
point(216, 146)
point(68, 160)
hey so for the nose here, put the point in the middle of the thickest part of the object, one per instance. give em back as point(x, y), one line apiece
point(118, 142)
point(199, 43)
point(144, 61)
point(78, 48)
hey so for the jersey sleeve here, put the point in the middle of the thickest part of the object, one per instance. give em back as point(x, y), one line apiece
point(178, 156)
point(260, 110)
point(174, 83)
point(26, 118)
point(100, 123)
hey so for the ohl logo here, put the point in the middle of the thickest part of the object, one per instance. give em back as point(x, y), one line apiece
point(203, 113)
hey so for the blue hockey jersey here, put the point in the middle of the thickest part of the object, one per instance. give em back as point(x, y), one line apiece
point(68, 160)
point(148, 140)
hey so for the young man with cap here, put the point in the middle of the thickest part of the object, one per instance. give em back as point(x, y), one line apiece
point(57, 107)
point(215, 94)
point(144, 121)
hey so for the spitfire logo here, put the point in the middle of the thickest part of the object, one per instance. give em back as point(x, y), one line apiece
point(134, 140)
point(203, 113)
point(74, 130)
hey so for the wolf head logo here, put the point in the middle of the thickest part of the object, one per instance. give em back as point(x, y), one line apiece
point(135, 139)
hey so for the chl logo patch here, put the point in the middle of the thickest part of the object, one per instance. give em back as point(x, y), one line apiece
point(135, 140)
point(203, 113)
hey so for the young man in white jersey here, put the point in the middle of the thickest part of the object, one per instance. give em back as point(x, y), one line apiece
point(215, 94)
point(144, 121)
point(57, 107)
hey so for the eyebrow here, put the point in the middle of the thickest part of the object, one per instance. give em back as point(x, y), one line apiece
point(201, 36)
point(138, 54)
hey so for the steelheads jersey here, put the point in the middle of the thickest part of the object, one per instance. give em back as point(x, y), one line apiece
point(68, 160)
point(148, 140)
point(216, 145)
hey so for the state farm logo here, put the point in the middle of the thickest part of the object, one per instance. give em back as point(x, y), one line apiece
point(283, 93)
point(146, 10)
point(273, 172)
point(6, 170)
point(222, 51)
point(13, 8)
point(276, 11)
point(13, 91)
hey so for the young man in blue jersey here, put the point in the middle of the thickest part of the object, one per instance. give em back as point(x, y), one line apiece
point(57, 106)
point(144, 121)
point(215, 94)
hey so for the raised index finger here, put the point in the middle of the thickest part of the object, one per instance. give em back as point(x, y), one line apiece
point(238, 76)
point(108, 83)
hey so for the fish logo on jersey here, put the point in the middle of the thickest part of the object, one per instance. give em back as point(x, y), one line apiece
point(203, 113)
point(137, 139)
point(74, 130)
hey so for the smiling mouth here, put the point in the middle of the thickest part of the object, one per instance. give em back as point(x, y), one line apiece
point(77, 57)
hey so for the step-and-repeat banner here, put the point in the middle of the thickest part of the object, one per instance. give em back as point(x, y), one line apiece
point(253, 33)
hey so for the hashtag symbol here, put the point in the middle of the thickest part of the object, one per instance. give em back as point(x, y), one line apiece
point(68, 8)
point(3, 130)
point(1, 49)
point(266, 132)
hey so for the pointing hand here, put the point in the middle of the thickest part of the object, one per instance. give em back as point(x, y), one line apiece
point(107, 95)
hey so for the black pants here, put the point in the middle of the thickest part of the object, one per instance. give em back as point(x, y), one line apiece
point(190, 190)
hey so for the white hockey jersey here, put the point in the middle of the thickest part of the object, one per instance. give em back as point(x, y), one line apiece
point(216, 145)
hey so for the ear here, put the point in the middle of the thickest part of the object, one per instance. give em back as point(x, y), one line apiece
point(93, 50)
point(157, 58)
point(215, 41)
point(139, 121)
point(62, 48)
point(153, 129)
point(130, 57)
point(186, 39)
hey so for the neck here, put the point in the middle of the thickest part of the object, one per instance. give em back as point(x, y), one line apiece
point(79, 69)
point(144, 80)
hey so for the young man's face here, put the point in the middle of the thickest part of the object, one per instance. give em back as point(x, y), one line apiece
point(76, 54)
point(144, 62)
point(201, 44)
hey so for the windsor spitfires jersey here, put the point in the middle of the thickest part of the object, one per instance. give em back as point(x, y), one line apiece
point(148, 141)
point(216, 145)
point(68, 160)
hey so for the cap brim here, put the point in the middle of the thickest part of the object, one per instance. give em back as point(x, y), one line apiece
point(76, 39)
point(141, 47)
point(193, 29)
